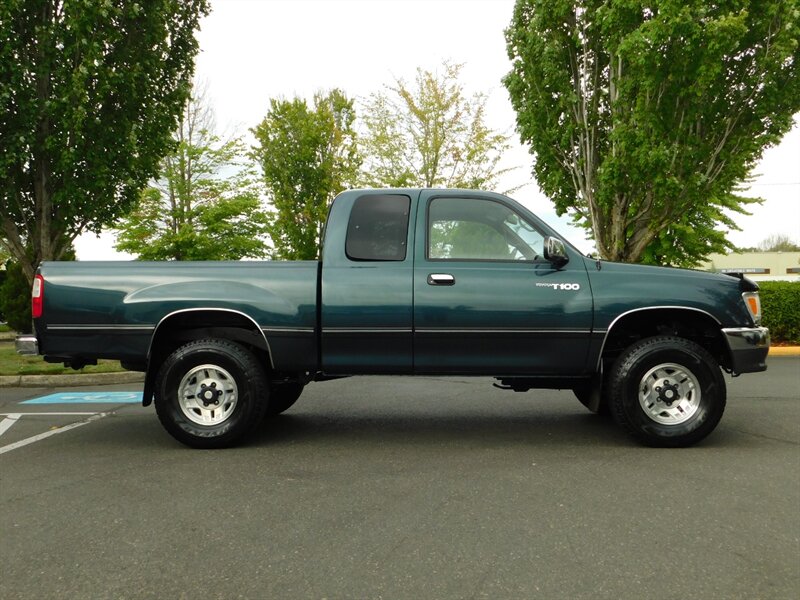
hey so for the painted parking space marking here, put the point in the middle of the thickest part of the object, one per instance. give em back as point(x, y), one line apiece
point(12, 418)
point(6, 423)
point(7, 420)
point(88, 398)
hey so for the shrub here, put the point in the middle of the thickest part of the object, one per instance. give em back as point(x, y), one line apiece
point(15, 299)
point(3, 275)
point(780, 305)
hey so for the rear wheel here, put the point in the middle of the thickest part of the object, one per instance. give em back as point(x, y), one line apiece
point(667, 391)
point(211, 393)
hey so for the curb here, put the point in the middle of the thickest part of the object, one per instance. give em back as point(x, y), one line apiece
point(33, 381)
point(784, 351)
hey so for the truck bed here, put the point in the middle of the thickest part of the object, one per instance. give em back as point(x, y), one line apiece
point(113, 309)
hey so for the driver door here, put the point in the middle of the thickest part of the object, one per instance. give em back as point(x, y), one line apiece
point(486, 301)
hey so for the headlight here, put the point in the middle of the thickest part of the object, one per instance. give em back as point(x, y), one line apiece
point(753, 304)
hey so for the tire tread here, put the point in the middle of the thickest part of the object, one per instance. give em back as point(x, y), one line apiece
point(628, 360)
point(254, 380)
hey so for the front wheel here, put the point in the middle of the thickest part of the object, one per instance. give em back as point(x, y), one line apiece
point(211, 393)
point(667, 391)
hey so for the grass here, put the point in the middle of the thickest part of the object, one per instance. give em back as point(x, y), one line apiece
point(12, 363)
point(4, 328)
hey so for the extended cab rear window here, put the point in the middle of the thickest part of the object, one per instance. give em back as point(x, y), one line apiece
point(378, 228)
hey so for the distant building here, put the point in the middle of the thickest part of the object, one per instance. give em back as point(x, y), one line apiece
point(758, 266)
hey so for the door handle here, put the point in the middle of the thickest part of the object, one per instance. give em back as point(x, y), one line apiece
point(441, 279)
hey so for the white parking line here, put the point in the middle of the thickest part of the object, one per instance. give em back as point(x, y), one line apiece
point(6, 423)
point(48, 414)
point(12, 418)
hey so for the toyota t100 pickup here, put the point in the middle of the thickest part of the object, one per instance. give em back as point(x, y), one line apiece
point(411, 282)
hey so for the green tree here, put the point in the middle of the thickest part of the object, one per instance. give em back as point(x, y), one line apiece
point(89, 93)
point(205, 205)
point(15, 294)
point(307, 156)
point(643, 118)
point(15, 299)
point(778, 243)
point(430, 134)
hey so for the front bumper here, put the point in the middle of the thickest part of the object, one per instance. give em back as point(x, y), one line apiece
point(749, 347)
point(27, 344)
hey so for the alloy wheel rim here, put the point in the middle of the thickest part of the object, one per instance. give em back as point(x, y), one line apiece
point(208, 395)
point(669, 394)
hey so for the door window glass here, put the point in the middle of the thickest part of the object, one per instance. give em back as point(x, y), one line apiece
point(475, 229)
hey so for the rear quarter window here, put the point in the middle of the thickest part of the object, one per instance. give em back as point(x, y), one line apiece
point(378, 228)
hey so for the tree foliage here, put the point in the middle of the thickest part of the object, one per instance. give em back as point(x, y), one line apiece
point(778, 243)
point(89, 93)
point(15, 299)
point(308, 154)
point(430, 134)
point(15, 295)
point(644, 117)
point(205, 204)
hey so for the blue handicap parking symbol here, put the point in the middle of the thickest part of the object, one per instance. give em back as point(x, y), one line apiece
point(88, 398)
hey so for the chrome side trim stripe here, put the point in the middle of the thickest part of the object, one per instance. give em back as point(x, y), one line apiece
point(350, 330)
point(445, 330)
point(335, 330)
point(510, 330)
point(109, 326)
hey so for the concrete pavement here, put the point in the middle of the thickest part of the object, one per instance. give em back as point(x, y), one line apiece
point(405, 487)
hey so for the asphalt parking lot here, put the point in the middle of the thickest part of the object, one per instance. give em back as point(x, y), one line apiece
point(401, 488)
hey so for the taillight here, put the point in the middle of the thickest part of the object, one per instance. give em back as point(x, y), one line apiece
point(753, 304)
point(37, 297)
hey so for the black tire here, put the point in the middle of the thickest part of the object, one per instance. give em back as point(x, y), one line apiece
point(667, 392)
point(282, 396)
point(211, 393)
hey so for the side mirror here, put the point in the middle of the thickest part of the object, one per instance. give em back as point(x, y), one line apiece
point(555, 252)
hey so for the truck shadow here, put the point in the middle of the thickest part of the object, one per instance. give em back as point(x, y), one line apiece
point(474, 430)
point(327, 431)
point(575, 431)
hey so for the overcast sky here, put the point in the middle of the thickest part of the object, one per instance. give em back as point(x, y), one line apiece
point(254, 50)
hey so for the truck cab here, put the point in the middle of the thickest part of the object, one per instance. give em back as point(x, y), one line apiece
point(449, 282)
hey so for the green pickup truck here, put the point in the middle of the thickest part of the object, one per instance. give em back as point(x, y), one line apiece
point(411, 282)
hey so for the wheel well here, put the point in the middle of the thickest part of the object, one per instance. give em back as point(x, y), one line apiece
point(692, 325)
point(182, 327)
